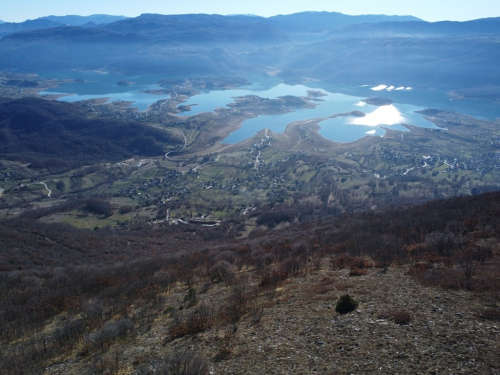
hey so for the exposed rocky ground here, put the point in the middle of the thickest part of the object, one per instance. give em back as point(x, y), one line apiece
point(300, 332)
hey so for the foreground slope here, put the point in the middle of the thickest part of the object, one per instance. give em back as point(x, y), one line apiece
point(260, 305)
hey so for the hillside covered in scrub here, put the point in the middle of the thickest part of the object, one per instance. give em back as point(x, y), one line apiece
point(143, 299)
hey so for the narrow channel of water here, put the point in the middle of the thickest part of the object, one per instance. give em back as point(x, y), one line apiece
point(92, 85)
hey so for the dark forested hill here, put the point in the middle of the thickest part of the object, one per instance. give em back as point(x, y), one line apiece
point(54, 134)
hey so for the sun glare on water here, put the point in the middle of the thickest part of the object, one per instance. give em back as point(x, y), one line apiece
point(379, 88)
point(385, 115)
point(388, 88)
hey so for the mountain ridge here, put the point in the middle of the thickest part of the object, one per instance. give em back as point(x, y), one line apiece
point(196, 28)
point(76, 20)
point(100, 19)
point(184, 44)
point(13, 27)
point(479, 26)
point(46, 22)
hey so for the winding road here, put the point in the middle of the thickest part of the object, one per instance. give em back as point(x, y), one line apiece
point(183, 147)
point(257, 162)
point(46, 187)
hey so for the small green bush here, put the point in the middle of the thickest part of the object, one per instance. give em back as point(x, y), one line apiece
point(346, 304)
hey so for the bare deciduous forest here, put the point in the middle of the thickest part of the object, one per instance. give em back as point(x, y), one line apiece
point(69, 292)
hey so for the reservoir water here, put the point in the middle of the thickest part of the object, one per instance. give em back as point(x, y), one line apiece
point(340, 129)
point(335, 100)
point(100, 85)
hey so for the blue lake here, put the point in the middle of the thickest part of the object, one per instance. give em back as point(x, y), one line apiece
point(98, 85)
point(337, 99)
point(340, 129)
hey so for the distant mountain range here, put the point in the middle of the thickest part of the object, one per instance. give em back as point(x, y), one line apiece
point(198, 29)
point(326, 46)
point(447, 61)
point(299, 23)
point(82, 20)
point(56, 21)
point(13, 27)
point(481, 26)
point(310, 25)
point(184, 44)
point(315, 25)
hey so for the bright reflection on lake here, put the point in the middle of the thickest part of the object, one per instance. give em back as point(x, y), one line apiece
point(387, 115)
point(388, 88)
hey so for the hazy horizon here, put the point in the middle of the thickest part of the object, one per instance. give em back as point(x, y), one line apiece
point(457, 10)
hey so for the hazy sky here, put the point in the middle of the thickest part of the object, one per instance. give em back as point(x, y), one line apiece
point(429, 10)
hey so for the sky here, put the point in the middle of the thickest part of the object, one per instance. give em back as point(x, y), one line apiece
point(429, 10)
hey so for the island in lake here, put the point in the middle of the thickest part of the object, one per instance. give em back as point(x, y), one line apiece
point(378, 101)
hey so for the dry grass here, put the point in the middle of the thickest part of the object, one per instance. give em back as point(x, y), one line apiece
point(357, 272)
point(325, 285)
point(397, 322)
point(344, 286)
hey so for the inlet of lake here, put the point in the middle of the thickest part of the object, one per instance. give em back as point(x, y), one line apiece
point(335, 100)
